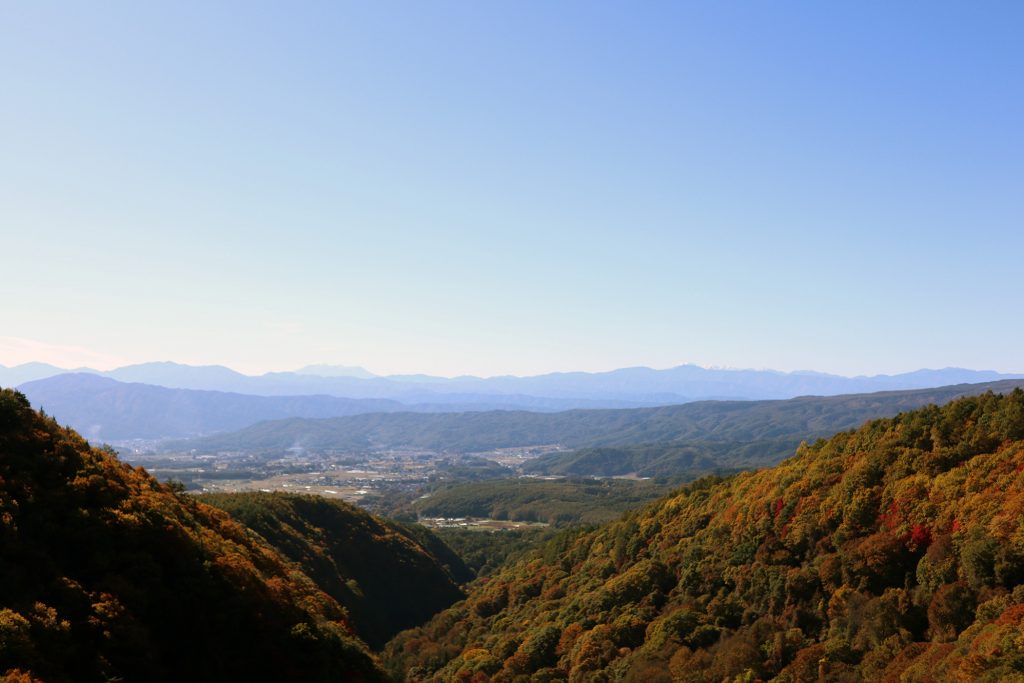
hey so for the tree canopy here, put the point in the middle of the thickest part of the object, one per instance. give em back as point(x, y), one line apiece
point(893, 550)
point(106, 574)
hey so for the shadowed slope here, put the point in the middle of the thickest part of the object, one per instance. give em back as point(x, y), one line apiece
point(375, 569)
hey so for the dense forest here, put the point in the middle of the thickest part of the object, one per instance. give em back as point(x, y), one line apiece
point(728, 422)
point(484, 552)
point(678, 462)
point(891, 552)
point(107, 575)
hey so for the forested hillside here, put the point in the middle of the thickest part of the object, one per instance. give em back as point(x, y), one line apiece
point(377, 570)
point(485, 552)
point(560, 502)
point(678, 462)
point(728, 422)
point(891, 552)
point(105, 574)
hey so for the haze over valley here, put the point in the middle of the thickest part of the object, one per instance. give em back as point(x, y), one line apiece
point(184, 424)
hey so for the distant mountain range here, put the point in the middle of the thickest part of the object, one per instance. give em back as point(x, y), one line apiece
point(781, 424)
point(617, 388)
point(28, 372)
point(105, 409)
point(170, 400)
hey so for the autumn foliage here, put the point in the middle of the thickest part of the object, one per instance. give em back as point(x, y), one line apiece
point(105, 574)
point(887, 553)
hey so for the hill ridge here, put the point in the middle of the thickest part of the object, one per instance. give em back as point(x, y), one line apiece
point(638, 385)
point(894, 551)
point(106, 574)
point(479, 431)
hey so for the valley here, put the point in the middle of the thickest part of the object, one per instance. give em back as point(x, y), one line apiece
point(511, 342)
point(574, 467)
point(873, 541)
point(354, 476)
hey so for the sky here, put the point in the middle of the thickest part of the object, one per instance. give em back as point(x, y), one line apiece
point(513, 187)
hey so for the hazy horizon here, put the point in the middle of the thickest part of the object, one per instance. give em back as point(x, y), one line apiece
point(68, 361)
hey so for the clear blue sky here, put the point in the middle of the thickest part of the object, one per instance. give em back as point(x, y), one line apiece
point(513, 187)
